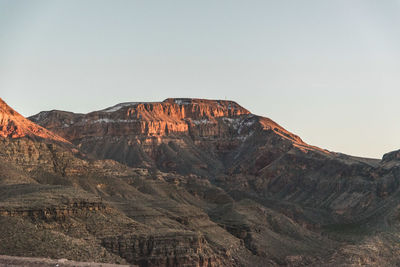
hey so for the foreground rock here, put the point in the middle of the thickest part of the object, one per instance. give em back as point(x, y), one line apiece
point(37, 262)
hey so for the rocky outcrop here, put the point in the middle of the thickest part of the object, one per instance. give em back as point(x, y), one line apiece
point(248, 154)
point(14, 125)
point(172, 249)
point(46, 262)
point(35, 154)
point(145, 119)
point(56, 213)
point(174, 135)
point(217, 185)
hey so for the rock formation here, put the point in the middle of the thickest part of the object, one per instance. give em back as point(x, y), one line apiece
point(189, 182)
point(174, 135)
point(14, 125)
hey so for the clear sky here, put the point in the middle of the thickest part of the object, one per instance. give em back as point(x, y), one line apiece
point(328, 71)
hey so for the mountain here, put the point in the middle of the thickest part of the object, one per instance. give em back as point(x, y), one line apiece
point(181, 135)
point(246, 154)
point(191, 182)
point(14, 125)
point(57, 202)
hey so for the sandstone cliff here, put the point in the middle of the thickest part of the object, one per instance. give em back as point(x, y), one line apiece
point(194, 182)
point(14, 125)
point(173, 135)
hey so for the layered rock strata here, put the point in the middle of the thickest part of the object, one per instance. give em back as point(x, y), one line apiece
point(14, 125)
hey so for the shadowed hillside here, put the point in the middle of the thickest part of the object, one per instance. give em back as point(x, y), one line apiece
point(189, 182)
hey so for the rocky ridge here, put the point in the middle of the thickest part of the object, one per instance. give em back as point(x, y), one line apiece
point(14, 125)
point(154, 134)
point(195, 182)
point(83, 209)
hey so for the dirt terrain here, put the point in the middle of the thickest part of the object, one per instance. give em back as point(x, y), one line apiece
point(10, 261)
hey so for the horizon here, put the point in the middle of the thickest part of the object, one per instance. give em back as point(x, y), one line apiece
point(327, 72)
point(194, 98)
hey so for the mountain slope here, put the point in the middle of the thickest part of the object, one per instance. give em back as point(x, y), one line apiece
point(58, 203)
point(179, 135)
point(245, 154)
point(208, 183)
point(14, 125)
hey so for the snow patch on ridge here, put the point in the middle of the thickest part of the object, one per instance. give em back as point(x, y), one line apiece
point(104, 120)
point(240, 123)
point(182, 101)
point(234, 122)
point(246, 123)
point(119, 106)
point(203, 121)
point(40, 116)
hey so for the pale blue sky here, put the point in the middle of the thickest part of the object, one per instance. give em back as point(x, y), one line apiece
point(328, 71)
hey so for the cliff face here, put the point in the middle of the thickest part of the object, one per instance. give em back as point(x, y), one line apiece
point(246, 153)
point(174, 249)
point(212, 185)
point(173, 135)
point(172, 116)
point(50, 206)
point(14, 125)
point(103, 211)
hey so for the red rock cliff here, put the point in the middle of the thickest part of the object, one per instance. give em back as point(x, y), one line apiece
point(14, 125)
point(146, 119)
point(176, 134)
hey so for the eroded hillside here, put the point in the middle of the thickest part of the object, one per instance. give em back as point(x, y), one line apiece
point(189, 182)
